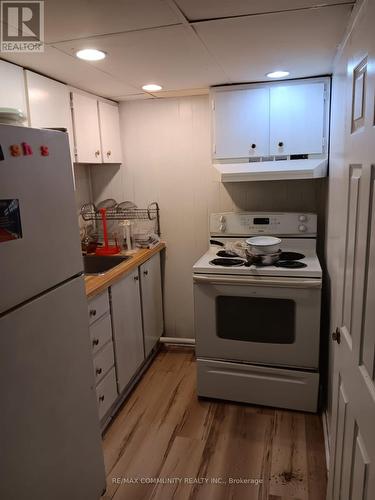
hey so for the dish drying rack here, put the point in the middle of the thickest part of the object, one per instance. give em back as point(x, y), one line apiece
point(90, 213)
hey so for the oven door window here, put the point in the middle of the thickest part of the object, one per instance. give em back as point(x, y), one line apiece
point(255, 319)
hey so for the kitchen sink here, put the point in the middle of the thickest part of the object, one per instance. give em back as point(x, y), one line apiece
point(98, 264)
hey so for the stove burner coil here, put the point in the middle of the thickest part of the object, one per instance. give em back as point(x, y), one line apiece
point(290, 264)
point(226, 262)
point(291, 256)
point(227, 253)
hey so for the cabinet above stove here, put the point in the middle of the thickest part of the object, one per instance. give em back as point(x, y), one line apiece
point(266, 131)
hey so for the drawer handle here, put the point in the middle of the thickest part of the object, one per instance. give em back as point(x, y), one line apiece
point(101, 399)
point(92, 312)
point(95, 342)
point(109, 153)
point(97, 153)
point(98, 371)
point(145, 272)
point(253, 146)
point(281, 144)
point(136, 278)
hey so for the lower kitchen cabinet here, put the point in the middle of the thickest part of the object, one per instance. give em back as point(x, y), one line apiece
point(127, 327)
point(106, 392)
point(152, 302)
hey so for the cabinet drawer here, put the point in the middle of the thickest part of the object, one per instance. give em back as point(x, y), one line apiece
point(98, 306)
point(100, 333)
point(103, 361)
point(106, 393)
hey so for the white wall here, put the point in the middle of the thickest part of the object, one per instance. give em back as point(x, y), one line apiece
point(166, 146)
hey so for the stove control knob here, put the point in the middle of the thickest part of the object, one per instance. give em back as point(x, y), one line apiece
point(302, 228)
point(222, 218)
point(302, 218)
point(222, 228)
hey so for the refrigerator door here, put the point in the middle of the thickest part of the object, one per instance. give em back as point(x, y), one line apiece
point(39, 236)
point(49, 425)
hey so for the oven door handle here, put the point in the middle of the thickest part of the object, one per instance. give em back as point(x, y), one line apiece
point(258, 281)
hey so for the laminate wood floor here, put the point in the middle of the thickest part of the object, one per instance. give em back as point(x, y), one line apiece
point(205, 449)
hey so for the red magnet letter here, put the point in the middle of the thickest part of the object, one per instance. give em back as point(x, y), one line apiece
point(27, 151)
point(15, 150)
point(44, 150)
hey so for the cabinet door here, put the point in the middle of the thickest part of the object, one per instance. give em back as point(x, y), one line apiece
point(152, 305)
point(49, 105)
point(241, 123)
point(296, 119)
point(86, 129)
point(127, 327)
point(12, 87)
point(110, 132)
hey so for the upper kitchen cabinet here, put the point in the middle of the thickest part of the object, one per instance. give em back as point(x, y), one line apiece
point(12, 87)
point(283, 118)
point(49, 104)
point(297, 119)
point(110, 132)
point(96, 130)
point(241, 125)
point(271, 131)
point(86, 129)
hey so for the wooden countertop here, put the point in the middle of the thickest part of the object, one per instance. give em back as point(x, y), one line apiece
point(96, 284)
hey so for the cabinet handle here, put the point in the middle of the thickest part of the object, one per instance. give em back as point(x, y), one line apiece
point(98, 371)
point(109, 153)
point(95, 342)
point(97, 153)
point(101, 399)
point(136, 278)
point(145, 272)
point(281, 144)
point(253, 146)
point(92, 312)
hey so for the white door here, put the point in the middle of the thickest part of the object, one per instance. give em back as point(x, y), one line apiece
point(127, 327)
point(241, 123)
point(86, 129)
point(152, 305)
point(351, 259)
point(297, 119)
point(12, 87)
point(49, 105)
point(49, 425)
point(110, 132)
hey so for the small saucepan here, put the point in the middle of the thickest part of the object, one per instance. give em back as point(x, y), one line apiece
point(263, 245)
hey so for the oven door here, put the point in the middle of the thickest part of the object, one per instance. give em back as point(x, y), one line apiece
point(265, 320)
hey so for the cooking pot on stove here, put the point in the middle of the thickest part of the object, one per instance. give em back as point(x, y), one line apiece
point(267, 259)
point(263, 245)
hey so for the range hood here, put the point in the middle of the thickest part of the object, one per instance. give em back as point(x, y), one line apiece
point(271, 170)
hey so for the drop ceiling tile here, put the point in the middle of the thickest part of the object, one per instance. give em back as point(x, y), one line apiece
point(211, 9)
point(302, 42)
point(173, 57)
point(70, 19)
point(68, 69)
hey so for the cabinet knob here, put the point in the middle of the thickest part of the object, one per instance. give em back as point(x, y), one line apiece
point(109, 153)
point(136, 278)
point(97, 153)
point(253, 146)
point(101, 399)
point(95, 342)
point(281, 144)
point(145, 272)
point(98, 371)
point(92, 312)
point(336, 335)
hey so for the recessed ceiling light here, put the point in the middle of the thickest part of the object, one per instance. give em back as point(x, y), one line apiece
point(91, 54)
point(277, 74)
point(152, 87)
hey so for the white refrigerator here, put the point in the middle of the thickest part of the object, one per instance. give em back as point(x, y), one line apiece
point(50, 443)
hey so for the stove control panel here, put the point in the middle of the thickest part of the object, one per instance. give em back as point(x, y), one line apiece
point(250, 223)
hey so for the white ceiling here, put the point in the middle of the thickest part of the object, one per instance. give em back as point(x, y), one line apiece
point(186, 45)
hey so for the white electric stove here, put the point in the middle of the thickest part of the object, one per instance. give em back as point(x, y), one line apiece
point(258, 327)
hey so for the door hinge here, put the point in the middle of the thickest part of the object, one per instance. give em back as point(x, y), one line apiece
point(336, 335)
point(213, 104)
